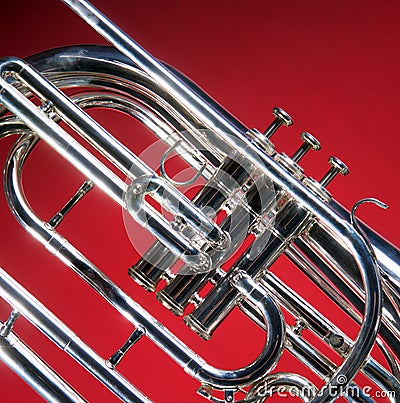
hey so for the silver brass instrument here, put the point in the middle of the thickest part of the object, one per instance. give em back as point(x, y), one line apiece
point(212, 253)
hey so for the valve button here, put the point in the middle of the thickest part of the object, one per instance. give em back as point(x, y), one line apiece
point(281, 118)
point(340, 166)
point(309, 142)
point(337, 167)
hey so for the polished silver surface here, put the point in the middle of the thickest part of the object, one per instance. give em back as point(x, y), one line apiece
point(65, 338)
point(91, 167)
point(278, 209)
point(34, 371)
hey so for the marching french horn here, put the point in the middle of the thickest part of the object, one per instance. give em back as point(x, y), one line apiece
point(233, 237)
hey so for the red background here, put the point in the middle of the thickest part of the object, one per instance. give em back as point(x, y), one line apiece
point(332, 65)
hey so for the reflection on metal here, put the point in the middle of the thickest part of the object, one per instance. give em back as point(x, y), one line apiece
point(266, 200)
